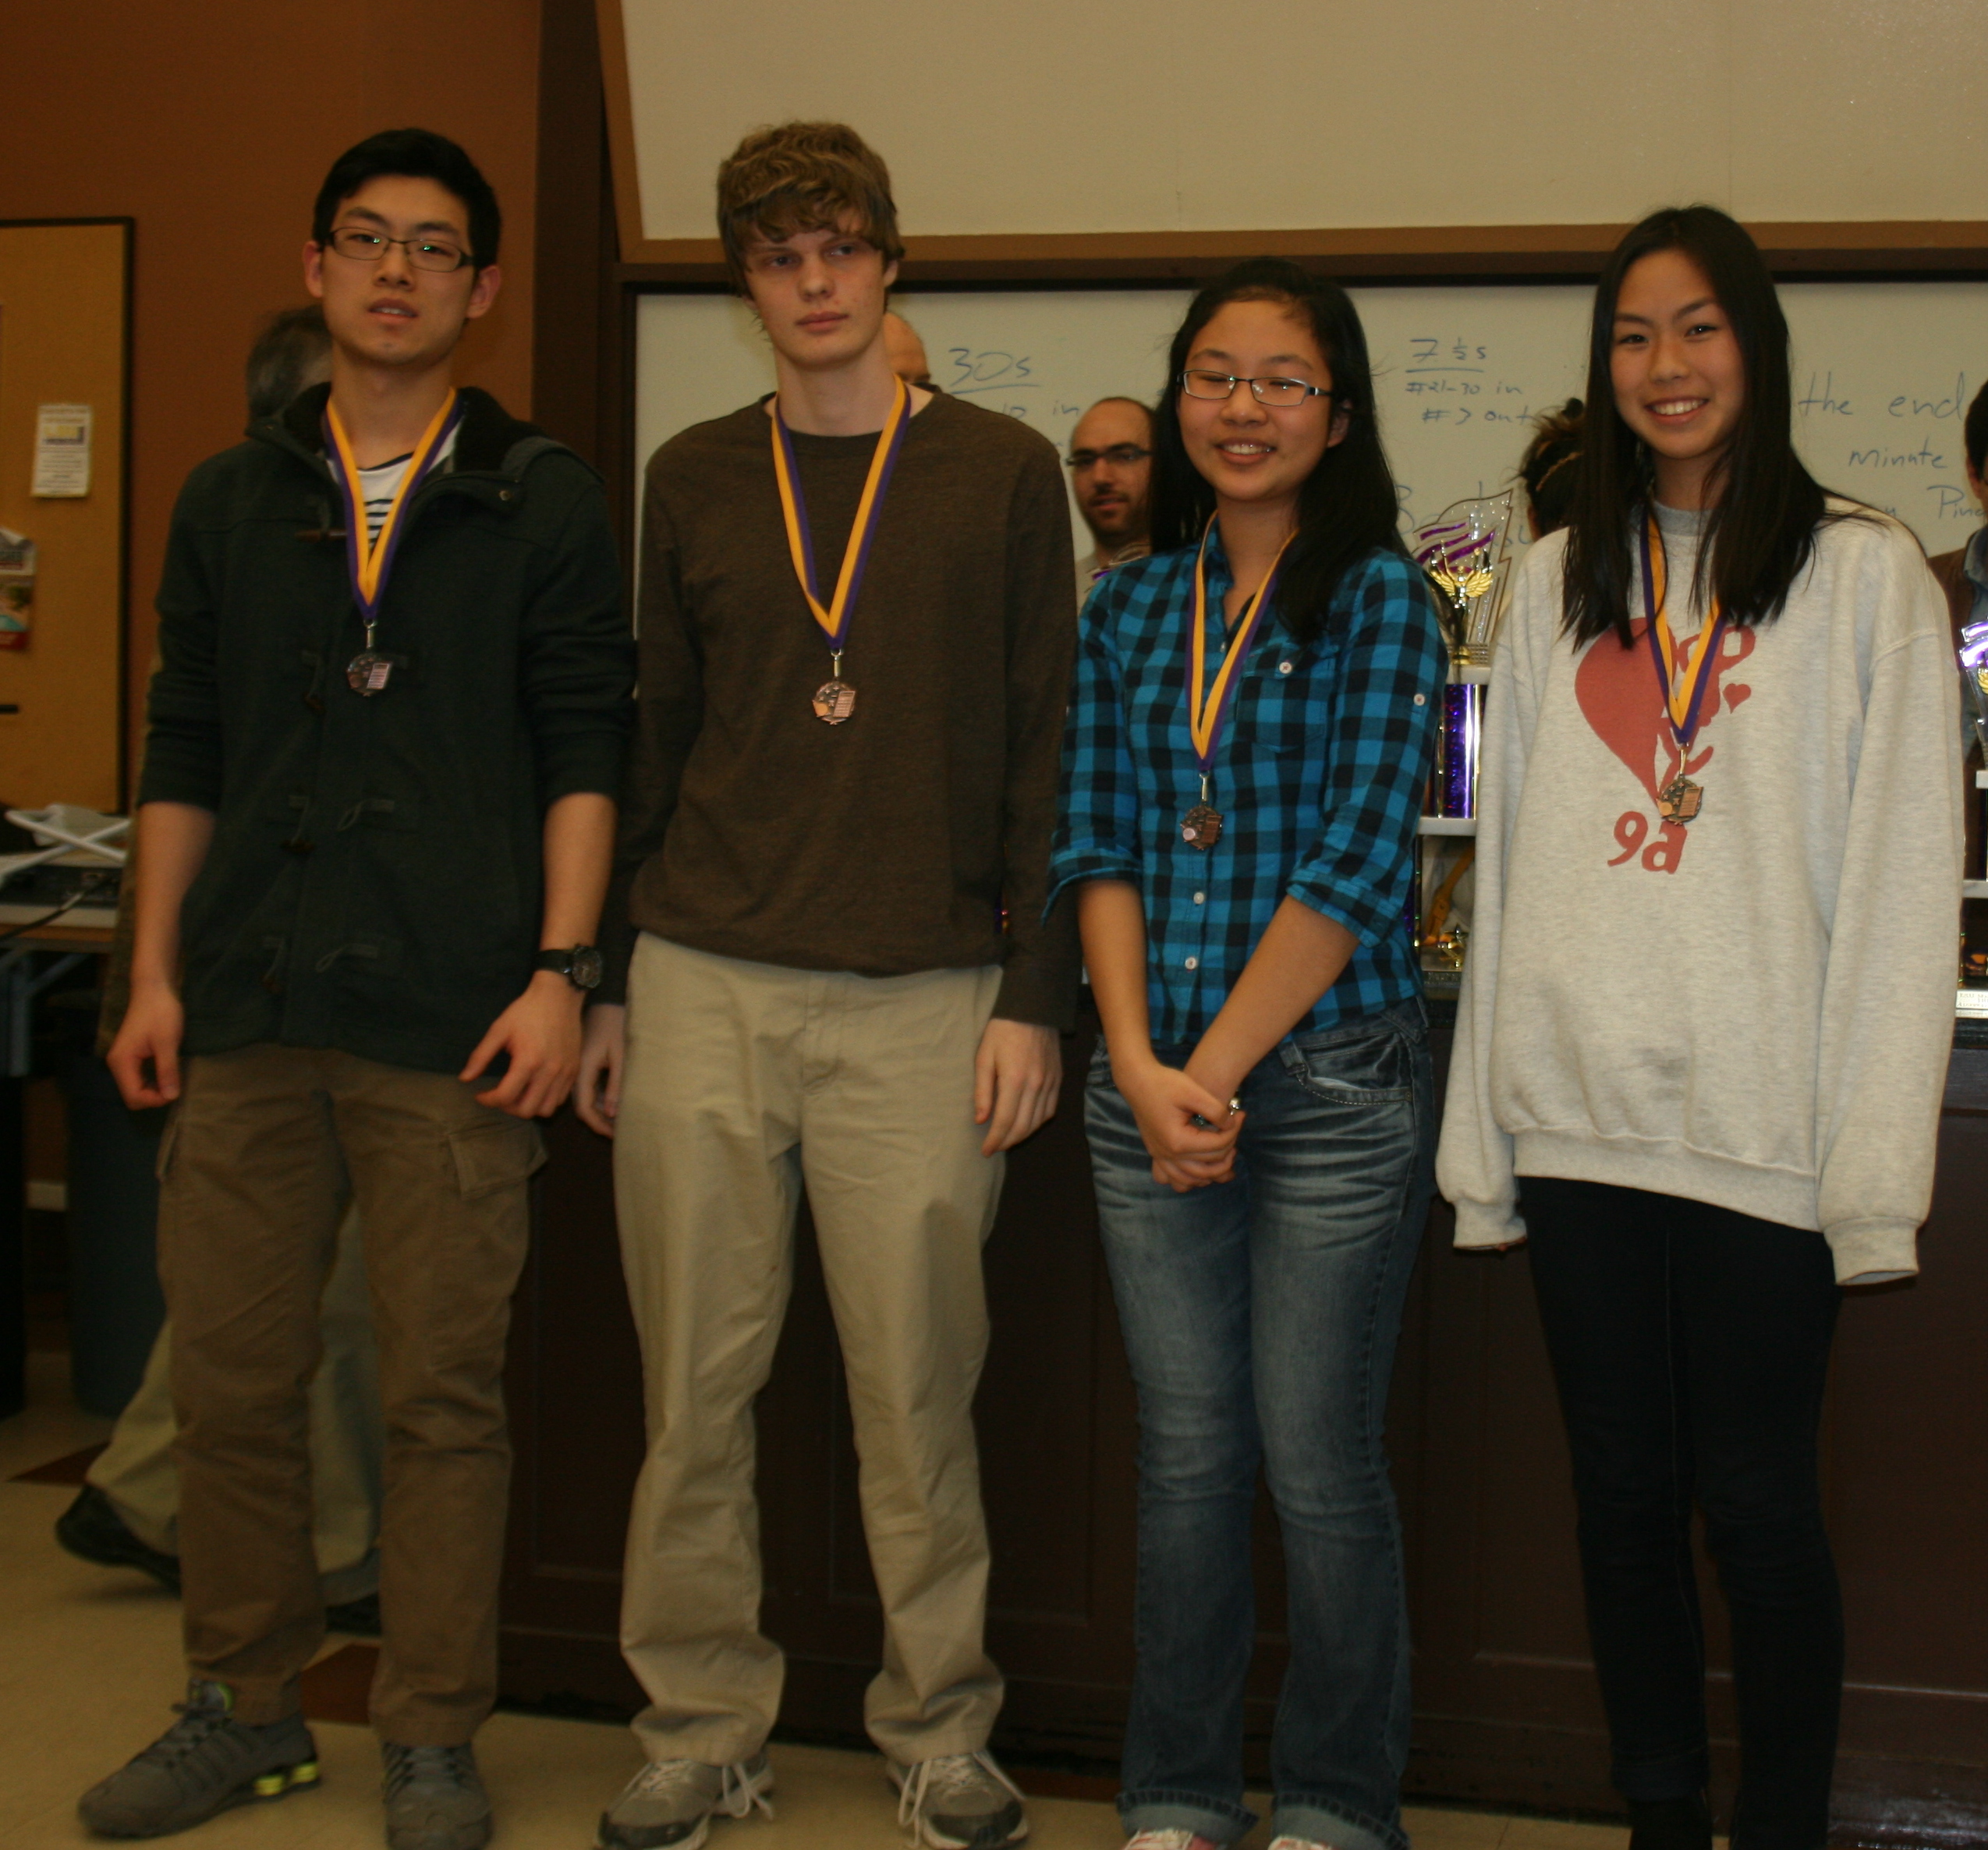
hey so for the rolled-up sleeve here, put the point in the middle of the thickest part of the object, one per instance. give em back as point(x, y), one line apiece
point(1098, 816)
point(1386, 701)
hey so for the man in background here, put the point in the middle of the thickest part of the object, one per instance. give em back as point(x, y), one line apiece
point(1963, 575)
point(905, 351)
point(127, 1513)
point(1111, 464)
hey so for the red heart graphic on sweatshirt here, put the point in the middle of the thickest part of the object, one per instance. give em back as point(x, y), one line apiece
point(1617, 688)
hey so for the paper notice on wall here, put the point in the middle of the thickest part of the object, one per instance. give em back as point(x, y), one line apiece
point(61, 451)
point(16, 589)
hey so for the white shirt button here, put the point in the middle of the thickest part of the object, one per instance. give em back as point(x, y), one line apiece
point(1422, 700)
point(1194, 963)
point(1283, 667)
point(1199, 897)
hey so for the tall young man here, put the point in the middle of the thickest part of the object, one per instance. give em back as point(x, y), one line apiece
point(857, 636)
point(374, 829)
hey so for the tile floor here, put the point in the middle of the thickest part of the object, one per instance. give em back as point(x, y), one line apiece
point(87, 1669)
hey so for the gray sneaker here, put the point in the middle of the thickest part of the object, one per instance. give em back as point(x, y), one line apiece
point(673, 1802)
point(205, 1762)
point(435, 1798)
point(959, 1802)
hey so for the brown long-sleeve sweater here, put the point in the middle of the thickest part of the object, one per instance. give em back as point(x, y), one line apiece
point(895, 842)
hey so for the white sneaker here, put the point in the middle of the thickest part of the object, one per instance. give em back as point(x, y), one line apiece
point(959, 1802)
point(671, 1802)
point(1173, 1837)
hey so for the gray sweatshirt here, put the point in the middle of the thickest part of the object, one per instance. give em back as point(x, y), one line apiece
point(1756, 1009)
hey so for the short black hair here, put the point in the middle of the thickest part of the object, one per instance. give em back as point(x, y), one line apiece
point(1976, 430)
point(415, 154)
point(294, 344)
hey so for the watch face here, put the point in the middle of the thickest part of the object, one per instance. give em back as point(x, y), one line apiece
point(586, 968)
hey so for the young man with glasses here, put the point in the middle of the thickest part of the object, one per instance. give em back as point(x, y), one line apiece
point(855, 651)
point(374, 828)
point(1111, 464)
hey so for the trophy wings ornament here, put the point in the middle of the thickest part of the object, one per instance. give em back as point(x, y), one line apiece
point(1466, 552)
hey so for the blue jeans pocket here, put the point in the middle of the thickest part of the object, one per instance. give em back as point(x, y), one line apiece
point(1372, 1063)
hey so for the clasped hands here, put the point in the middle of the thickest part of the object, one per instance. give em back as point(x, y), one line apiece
point(1188, 1127)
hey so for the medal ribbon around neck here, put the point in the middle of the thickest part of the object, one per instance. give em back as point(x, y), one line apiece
point(1207, 711)
point(1682, 700)
point(370, 560)
point(834, 618)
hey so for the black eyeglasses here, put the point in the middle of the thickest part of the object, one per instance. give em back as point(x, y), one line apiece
point(367, 246)
point(1198, 385)
point(1125, 454)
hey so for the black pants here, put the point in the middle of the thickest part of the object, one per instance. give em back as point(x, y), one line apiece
point(1690, 1344)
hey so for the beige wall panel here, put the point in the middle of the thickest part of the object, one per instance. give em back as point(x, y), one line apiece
point(1032, 116)
point(1879, 109)
point(62, 342)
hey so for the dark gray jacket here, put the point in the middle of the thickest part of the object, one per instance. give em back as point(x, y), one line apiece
point(374, 883)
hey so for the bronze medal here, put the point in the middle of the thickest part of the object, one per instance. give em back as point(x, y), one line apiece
point(1681, 799)
point(834, 702)
point(1201, 827)
point(367, 672)
point(1683, 693)
point(834, 699)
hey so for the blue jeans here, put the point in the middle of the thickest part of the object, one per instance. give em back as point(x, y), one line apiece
point(1260, 1316)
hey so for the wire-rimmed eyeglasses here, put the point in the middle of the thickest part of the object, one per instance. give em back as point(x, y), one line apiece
point(1198, 384)
point(364, 246)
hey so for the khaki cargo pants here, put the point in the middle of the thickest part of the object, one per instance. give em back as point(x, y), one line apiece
point(263, 1149)
point(742, 1081)
point(136, 1470)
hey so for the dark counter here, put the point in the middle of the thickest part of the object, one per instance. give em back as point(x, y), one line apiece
point(1506, 1711)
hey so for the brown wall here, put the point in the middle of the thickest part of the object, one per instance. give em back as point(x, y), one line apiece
point(211, 125)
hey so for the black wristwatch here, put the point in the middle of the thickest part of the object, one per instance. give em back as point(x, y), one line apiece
point(580, 966)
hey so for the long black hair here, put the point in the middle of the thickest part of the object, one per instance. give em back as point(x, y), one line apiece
point(1760, 532)
point(1347, 506)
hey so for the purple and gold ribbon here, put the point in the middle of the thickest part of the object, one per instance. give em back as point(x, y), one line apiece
point(1207, 712)
point(1684, 698)
point(834, 617)
point(370, 559)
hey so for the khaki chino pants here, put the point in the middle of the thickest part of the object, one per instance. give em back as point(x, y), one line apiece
point(742, 1081)
point(265, 1146)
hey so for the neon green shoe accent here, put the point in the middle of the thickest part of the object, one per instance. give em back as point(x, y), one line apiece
point(274, 1785)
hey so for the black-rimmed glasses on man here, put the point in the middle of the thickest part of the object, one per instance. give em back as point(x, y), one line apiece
point(1200, 384)
point(1124, 454)
point(355, 242)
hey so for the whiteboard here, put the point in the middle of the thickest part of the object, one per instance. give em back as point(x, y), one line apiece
point(1883, 372)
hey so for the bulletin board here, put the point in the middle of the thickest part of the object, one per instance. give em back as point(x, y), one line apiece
point(65, 342)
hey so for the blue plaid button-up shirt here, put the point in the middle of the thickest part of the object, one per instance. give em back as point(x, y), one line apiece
point(1319, 777)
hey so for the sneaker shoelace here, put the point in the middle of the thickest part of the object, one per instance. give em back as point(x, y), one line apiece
point(201, 1718)
point(929, 1784)
point(444, 1766)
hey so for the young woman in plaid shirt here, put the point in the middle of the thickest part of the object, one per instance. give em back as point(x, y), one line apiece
point(1239, 819)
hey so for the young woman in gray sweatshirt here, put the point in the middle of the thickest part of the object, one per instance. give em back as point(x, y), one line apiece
point(1705, 1024)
